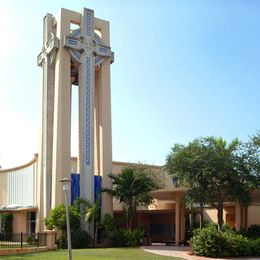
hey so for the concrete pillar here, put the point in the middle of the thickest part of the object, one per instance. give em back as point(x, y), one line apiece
point(51, 235)
point(237, 217)
point(246, 218)
point(182, 222)
point(62, 112)
point(243, 217)
point(177, 220)
point(104, 117)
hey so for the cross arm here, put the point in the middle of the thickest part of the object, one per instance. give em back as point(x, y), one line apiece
point(72, 43)
point(48, 49)
point(102, 50)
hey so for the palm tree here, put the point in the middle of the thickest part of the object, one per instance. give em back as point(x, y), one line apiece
point(92, 215)
point(131, 187)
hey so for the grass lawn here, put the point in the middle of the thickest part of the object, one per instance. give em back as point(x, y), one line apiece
point(92, 254)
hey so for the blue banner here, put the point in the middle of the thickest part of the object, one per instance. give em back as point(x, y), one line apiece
point(75, 186)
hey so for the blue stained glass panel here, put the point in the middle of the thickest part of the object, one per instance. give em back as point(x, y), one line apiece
point(75, 186)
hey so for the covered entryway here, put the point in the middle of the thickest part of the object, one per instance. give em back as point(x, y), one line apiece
point(176, 196)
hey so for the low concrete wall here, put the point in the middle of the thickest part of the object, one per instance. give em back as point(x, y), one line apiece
point(19, 251)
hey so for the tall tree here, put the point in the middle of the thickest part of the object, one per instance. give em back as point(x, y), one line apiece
point(214, 170)
point(131, 187)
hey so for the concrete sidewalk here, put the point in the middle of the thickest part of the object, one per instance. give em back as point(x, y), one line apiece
point(184, 253)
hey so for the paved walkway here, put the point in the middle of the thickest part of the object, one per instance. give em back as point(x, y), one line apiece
point(184, 252)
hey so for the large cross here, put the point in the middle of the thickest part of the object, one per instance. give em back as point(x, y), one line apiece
point(88, 50)
point(48, 51)
point(46, 59)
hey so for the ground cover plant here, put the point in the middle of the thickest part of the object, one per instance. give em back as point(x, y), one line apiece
point(93, 254)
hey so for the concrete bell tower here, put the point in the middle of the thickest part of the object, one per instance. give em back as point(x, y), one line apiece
point(79, 57)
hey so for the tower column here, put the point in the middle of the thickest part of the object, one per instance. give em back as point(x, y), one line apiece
point(62, 112)
point(177, 220)
point(238, 217)
point(182, 222)
point(46, 59)
point(105, 132)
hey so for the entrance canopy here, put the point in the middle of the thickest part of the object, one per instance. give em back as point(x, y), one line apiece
point(14, 207)
point(170, 194)
point(174, 195)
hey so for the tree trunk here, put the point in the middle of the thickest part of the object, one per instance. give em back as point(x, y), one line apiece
point(220, 216)
point(95, 234)
point(127, 219)
point(191, 218)
point(201, 216)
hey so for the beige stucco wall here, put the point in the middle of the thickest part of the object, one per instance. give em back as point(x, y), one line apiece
point(254, 215)
point(3, 189)
point(165, 179)
point(20, 221)
point(211, 215)
point(74, 165)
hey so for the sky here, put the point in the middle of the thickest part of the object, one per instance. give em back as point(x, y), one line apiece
point(183, 69)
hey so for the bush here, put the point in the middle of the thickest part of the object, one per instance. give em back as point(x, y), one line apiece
point(127, 237)
point(7, 225)
point(118, 238)
point(237, 245)
point(62, 241)
point(79, 239)
point(57, 218)
point(133, 237)
point(255, 247)
point(29, 240)
point(109, 226)
point(253, 231)
point(208, 242)
point(213, 243)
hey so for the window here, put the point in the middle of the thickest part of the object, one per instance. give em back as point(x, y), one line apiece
point(162, 229)
point(31, 222)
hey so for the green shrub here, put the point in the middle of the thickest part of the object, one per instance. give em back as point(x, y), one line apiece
point(118, 238)
point(237, 245)
point(133, 237)
point(62, 241)
point(57, 218)
point(253, 231)
point(79, 239)
point(127, 237)
point(7, 225)
point(29, 240)
point(226, 243)
point(255, 247)
point(109, 226)
point(208, 242)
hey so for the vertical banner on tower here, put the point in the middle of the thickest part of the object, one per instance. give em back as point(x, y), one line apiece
point(86, 106)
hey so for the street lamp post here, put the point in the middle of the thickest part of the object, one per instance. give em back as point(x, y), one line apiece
point(66, 186)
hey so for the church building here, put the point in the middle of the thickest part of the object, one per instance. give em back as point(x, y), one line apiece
point(76, 53)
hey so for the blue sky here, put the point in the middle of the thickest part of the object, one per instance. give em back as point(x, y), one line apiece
point(183, 69)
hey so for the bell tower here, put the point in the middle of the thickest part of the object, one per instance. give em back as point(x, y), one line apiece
point(79, 57)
